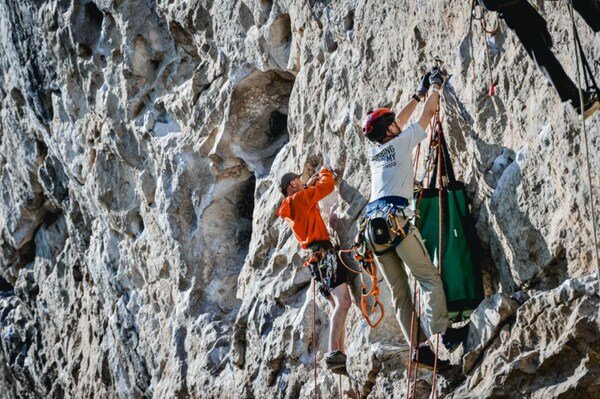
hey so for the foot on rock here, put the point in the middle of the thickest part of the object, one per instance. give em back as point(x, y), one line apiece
point(335, 360)
point(426, 358)
point(453, 337)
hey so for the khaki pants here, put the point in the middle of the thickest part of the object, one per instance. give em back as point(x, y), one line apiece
point(412, 253)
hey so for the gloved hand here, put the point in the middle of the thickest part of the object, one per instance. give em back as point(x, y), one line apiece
point(438, 76)
point(424, 85)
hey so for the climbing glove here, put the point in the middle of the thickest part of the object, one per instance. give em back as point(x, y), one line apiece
point(424, 85)
point(437, 76)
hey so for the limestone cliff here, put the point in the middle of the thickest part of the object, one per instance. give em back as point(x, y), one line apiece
point(140, 147)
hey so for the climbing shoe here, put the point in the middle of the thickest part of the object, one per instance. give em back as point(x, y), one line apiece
point(426, 358)
point(453, 337)
point(591, 104)
point(340, 370)
point(335, 360)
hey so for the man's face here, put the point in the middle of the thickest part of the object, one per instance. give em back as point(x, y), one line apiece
point(295, 186)
point(393, 129)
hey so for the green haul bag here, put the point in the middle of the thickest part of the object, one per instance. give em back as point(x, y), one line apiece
point(461, 248)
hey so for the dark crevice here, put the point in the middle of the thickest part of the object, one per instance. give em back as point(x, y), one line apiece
point(5, 286)
point(277, 125)
point(245, 210)
point(86, 27)
point(94, 15)
point(245, 204)
point(246, 18)
point(50, 218)
point(105, 374)
point(77, 273)
point(27, 253)
point(349, 20)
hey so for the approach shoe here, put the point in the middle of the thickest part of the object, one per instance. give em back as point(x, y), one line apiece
point(335, 359)
point(591, 104)
point(426, 358)
point(453, 337)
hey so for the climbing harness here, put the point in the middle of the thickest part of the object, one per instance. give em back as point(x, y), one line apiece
point(591, 86)
point(381, 219)
point(323, 265)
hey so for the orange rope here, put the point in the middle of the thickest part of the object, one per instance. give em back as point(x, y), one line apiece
point(340, 252)
point(370, 268)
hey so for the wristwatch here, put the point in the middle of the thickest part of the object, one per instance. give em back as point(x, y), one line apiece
point(415, 97)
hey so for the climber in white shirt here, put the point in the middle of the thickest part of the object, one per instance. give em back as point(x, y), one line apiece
point(400, 244)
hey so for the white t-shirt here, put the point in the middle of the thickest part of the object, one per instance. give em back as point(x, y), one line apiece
point(391, 164)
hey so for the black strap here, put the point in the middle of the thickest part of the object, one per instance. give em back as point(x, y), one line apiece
point(588, 75)
point(447, 166)
point(396, 241)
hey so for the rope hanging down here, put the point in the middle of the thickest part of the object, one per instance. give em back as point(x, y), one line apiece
point(486, 31)
point(591, 85)
point(440, 169)
point(314, 325)
point(369, 267)
point(435, 148)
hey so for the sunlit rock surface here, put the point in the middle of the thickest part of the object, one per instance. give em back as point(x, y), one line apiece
point(140, 147)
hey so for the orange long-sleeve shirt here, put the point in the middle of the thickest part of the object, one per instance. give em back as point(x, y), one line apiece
point(301, 210)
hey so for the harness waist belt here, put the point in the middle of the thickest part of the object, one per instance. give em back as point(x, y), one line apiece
point(383, 201)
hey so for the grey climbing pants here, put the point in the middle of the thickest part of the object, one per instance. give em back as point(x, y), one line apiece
point(412, 253)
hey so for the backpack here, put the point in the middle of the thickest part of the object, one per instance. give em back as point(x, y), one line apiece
point(497, 5)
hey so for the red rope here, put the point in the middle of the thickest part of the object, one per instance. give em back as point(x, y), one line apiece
point(414, 392)
point(411, 343)
point(441, 219)
point(315, 335)
point(492, 90)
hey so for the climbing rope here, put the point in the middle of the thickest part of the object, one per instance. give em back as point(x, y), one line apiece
point(492, 90)
point(438, 124)
point(414, 388)
point(580, 58)
point(314, 324)
point(486, 31)
point(435, 139)
point(412, 343)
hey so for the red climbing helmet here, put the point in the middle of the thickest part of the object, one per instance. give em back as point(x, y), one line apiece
point(377, 122)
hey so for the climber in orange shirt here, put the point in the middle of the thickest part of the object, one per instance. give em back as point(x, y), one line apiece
point(300, 210)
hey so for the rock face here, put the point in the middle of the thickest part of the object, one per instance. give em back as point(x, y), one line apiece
point(140, 147)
